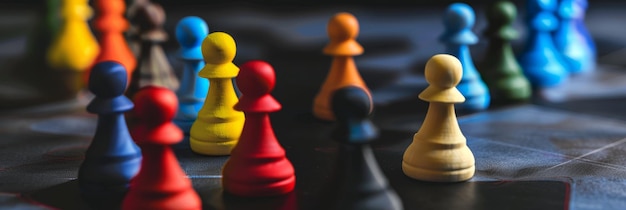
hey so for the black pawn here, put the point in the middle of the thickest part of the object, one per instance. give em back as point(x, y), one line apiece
point(113, 158)
point(358, 183)
point(153, 68)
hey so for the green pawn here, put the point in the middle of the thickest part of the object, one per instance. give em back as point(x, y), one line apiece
point(34, 61)
point(47, 27)
point(501, 72)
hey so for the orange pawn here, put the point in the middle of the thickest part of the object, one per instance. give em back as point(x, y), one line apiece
point(343, 29)
point(111, 26)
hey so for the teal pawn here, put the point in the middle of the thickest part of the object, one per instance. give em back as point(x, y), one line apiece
point(190, 32)
point(458, 21)
point(500, 70)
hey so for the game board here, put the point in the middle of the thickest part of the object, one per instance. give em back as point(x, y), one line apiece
point(565, 150)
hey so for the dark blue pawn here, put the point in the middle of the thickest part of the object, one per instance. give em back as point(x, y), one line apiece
point(458, 21)
point(572, 38)
point(190, 32)
point(113, 158)
point(543, 64)
point(358, 182)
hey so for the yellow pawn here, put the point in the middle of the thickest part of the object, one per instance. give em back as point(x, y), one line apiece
point(74, 47)
point(218, 126)
point(439, 152)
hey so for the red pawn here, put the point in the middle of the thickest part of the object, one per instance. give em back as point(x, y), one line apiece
point(257, 165)
point(161, 182)
point(111, 26)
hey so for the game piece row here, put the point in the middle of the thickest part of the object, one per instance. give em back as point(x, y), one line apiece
point(258, 165)
point(558, 44)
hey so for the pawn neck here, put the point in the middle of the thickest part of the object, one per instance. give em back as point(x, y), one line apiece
point(160, 159)
point(343, 72)
point(112, 138)
point(500, 51)
point(440, 124)
point(221, 94)
point(193, 90)
point(258, 138)
point(355, 132)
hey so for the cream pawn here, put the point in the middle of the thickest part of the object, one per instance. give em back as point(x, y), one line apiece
point(438, 152)
point(218, 126)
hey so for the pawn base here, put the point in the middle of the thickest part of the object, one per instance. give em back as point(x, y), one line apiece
point(184, 200)
point(211, 148)
point(103, 197)
point(323, 113)
point(434, 175)
point(266, 188)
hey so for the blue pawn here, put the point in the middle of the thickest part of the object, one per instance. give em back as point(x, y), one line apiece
point(190, 32)
point(572, 38)
point(543, 64)
point(113, 158)
point(458, 21)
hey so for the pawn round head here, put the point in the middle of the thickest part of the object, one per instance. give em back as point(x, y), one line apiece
point(351, 103)
point(107, 79)
point(155, 105)
point(135, 6)
point(139, 2)
point(190, 31)
point(459, 16)
point(443, 71)
point(343, 26)
point(536, 6)
point(111, 6)
point(149, 16)
point(76, 9)
point(572, 9)
point(502, 12)
point(256, 78)
point(218, 48)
